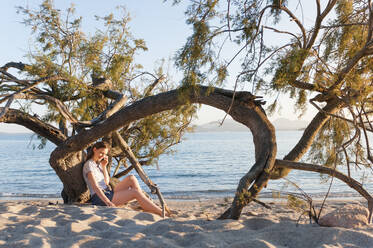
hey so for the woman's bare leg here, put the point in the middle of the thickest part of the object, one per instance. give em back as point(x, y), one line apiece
point(126, 183)
point(123, 196)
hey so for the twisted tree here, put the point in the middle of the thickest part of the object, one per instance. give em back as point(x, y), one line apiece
point(311, 51)
point(82, 80)
point(93, 88)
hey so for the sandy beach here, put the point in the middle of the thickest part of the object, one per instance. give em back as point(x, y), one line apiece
point(49, 223)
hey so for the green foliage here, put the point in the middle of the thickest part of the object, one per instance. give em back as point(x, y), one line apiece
point(196, 54)
point(276, 10)
point(154, 135)
point(302, 62)
point(328, 147)
point(296, 203)
point(62, 48)
point(288, 68)
point(199, 59)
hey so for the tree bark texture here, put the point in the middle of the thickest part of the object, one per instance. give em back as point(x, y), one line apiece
point(39, 127)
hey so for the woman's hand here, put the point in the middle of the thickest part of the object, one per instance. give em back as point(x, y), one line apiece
point(104, 161)
point(110, 204)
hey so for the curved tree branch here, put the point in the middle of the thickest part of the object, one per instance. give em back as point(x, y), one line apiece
point(350, 64)
point(246, 110)
point(51, 133)
point(294, 18)
point(20, 66)
point(285, 32)
point(150, 88)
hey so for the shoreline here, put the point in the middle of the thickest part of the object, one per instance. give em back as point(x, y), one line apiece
point(263, 196)
point(281, 199)
point(222, 201)
point(50, 223)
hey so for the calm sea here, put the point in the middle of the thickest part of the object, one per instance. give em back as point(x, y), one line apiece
point(208, 164)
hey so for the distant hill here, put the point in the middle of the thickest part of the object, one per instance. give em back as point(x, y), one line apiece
point(286, 124)
point(230, 125)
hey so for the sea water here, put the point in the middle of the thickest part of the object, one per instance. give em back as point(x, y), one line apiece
point(205, 165)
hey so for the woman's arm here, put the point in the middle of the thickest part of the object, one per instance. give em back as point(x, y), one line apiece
point(98, 191)
point(104, 163)
point(106, 175)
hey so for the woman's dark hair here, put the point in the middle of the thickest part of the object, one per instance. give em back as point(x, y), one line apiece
point(97, 145)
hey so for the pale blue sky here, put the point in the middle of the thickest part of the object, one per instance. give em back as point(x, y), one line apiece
point(160, 24)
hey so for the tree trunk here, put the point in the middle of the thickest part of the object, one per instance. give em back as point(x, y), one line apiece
point(308, 137)
point(70, 173)
point(69, 169)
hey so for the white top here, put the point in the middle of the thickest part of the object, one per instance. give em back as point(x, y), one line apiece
point(98, 175)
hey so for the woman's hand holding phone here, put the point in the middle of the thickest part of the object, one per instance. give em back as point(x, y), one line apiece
point(104, 161)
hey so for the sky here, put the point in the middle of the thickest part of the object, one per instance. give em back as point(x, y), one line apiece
point(160, 24)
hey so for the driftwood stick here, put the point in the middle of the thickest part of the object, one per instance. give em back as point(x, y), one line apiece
point(135, 163)
point(129, 169)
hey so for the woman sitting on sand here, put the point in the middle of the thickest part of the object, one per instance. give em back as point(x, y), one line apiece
point(97, 179)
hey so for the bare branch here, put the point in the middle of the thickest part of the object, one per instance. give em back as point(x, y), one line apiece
point(150, 88)
point(325, 64)
point(22, 90)
point(343, 25)
point(366, 139)
point(13, 78)
point(109, 111)
point(285, 32)
point(228, 18)
point(61, 108)
point(350, 64)
point(322, 169)
point(370, 22)
point(34, 124)
point(318, 21)
point(312, 101)
point(305, 86)
point(20, 66)
point(294, 18)
point(6, 108)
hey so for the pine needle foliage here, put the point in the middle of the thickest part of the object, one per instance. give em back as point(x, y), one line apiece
point(62, 48)
point(281, 55)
